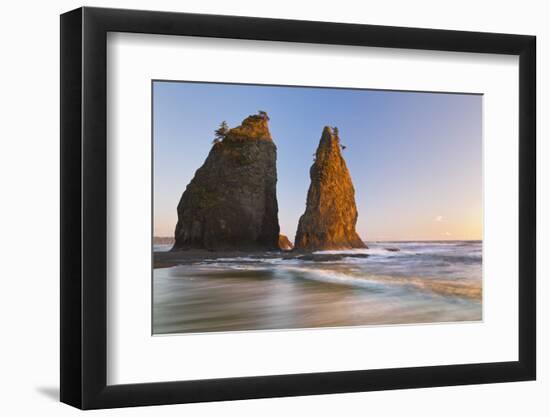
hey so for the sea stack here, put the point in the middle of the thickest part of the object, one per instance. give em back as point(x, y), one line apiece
point(284, 243)
point(231, 202)
point(331, 215)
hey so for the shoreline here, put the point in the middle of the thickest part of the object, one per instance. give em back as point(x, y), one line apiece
point(190, 256)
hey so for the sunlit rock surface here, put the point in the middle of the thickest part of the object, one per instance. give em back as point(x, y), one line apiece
point(285, 243)
point(331, 214)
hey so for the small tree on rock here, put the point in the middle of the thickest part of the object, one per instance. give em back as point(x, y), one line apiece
point(263, 114)
point(335, 130)
point(221, 132)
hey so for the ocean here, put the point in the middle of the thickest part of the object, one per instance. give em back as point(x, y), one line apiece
point(389, 283)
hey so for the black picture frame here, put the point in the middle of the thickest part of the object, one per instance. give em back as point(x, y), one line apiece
point(84, 207)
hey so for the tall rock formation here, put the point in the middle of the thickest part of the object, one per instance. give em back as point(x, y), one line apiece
point(231, 202)
point(330, 216)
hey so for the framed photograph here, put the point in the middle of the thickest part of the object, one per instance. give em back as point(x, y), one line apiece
point(258, 208)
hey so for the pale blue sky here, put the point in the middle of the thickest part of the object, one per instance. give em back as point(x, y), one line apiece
point(415, 158)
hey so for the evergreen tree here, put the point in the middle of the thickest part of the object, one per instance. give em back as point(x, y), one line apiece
point(221, 132)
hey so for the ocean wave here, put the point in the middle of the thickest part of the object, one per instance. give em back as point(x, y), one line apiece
point(384, 252)
point(162, 247)
point(445, 279)
point(447, 287)
point(239, 259)
point(333, 277)
point(377, 253)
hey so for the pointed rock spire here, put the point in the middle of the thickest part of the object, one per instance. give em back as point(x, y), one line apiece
point(331, 214)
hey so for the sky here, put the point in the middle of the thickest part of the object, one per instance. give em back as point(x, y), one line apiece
point(415, 158)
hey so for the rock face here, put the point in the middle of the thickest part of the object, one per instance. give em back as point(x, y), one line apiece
point(285, 243)
point(231, 202)
point(330, 216)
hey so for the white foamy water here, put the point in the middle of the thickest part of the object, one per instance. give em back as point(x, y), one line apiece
point(161, 247)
